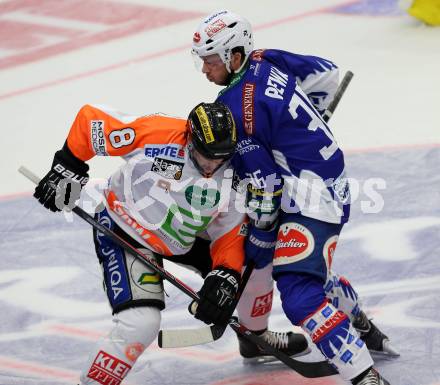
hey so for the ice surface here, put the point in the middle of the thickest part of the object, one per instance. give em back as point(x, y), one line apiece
point(52, 304)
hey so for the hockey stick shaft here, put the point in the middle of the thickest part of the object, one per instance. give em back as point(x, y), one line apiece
point(124, 244)
point(338, 95)
point(306, 369)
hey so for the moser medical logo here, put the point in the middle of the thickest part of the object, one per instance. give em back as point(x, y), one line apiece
point(98, 137)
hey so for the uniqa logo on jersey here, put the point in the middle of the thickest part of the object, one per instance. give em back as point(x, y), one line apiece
point(294, 243)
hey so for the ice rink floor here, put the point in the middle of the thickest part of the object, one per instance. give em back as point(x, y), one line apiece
point(56, 56)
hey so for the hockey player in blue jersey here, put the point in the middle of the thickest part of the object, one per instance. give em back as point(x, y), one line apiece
point(298, 194)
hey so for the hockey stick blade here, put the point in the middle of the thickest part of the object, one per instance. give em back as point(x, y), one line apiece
point(306, 369)
point(184, 338)
point(179, 338)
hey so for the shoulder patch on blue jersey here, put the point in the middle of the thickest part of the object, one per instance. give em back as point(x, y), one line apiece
point(257, 55)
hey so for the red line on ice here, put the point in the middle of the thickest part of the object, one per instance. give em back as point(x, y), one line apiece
point(157, 55)
point(12, 365)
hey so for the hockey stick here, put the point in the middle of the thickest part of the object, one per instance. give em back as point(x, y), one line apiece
point(338, 95)
point(179, 338)
point(306, 369)
point(150, 262)
point(176, 338)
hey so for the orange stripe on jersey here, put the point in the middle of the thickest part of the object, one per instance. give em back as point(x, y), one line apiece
point(99, 132)
point(228, 250)
point(153, 240)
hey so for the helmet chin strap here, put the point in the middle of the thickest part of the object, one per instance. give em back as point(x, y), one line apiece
point(231, 73)
point(242, 64)
point(228, 66)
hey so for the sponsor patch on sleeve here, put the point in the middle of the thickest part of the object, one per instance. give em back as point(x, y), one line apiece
point(97, 137)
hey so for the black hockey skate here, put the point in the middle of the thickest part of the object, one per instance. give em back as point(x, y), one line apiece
point(292, 344)
point(372, 377)
point(376, 341)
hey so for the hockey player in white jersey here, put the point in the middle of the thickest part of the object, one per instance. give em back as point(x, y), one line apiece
point(171, 199)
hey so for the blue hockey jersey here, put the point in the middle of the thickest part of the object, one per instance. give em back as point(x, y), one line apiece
point(286, 153)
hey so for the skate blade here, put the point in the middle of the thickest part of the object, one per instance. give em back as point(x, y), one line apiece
point(266, 359)
point(388, 350)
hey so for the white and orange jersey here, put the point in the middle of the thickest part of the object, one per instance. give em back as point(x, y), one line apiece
point(158, 197)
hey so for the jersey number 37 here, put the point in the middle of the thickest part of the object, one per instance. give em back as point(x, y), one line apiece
point(316, 122)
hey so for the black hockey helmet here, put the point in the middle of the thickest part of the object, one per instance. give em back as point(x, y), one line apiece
point(213, 132)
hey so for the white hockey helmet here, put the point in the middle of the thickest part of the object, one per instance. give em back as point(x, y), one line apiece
point(219, 33)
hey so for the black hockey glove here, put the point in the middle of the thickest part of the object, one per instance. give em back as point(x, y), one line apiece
point(63, 183)
point(217, 296)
